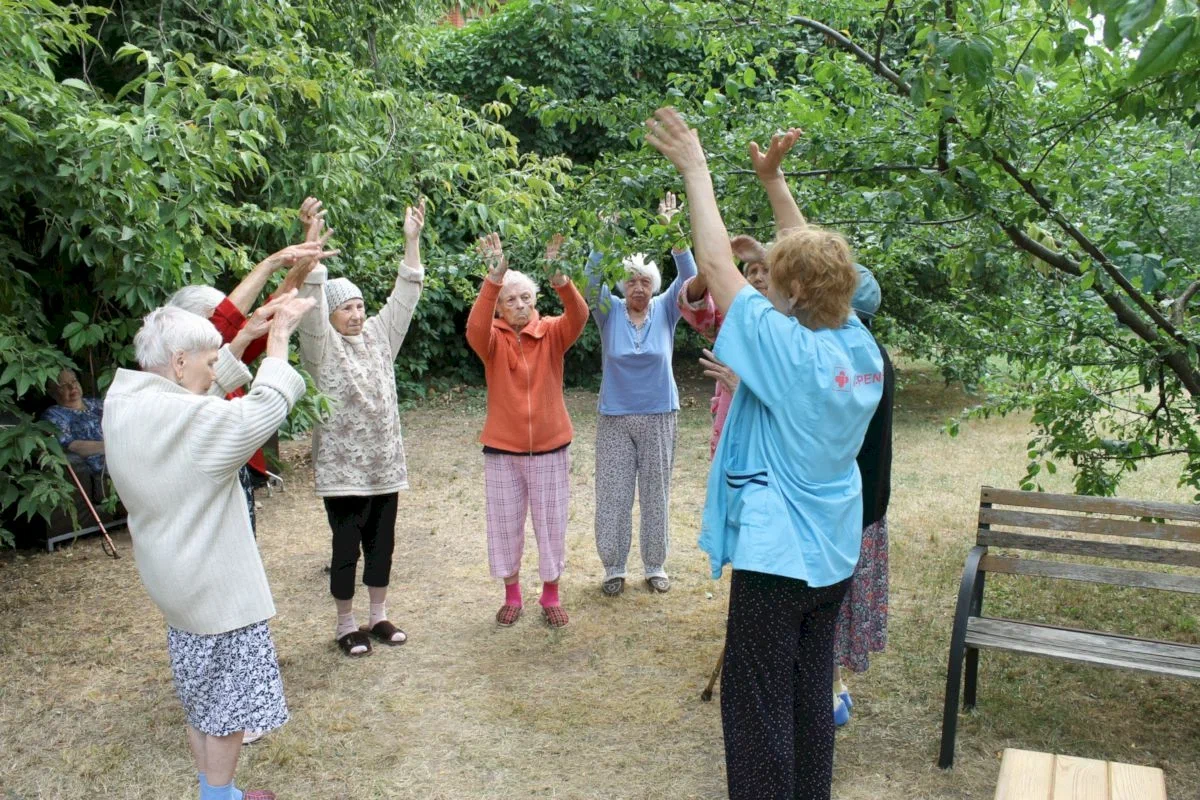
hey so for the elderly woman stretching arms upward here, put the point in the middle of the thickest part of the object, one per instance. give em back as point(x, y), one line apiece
point(358, 454)
point(639, 403)
point(174, 452)
point(783, 500)
point(527, 431)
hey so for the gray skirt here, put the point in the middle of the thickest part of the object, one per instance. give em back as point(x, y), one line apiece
point(229, 681)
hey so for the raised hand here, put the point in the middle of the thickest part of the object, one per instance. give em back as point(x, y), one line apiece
point(766, 165)
point(668, 207)
point(414, 220)
point(552, 248)
point(715, 369)
point(307, 256)
point(312, 217)
point(492, 252)
point(669, 134)
point(290, 311)
point(259, 323)
point(748, 249)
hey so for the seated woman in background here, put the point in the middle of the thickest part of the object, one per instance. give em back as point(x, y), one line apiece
point(784, 494)
point(77, 419)
point(174, 451)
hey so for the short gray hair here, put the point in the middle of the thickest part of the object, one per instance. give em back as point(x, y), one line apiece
point(169, 330)
point(201, 300)
point(518, 280)
point(638, 264)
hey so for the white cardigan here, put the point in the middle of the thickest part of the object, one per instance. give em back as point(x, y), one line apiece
point(174, 458)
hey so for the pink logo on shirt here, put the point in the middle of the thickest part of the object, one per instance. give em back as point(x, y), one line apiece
point(842, 379)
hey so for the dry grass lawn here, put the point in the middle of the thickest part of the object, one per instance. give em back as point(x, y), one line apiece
point(608, 707)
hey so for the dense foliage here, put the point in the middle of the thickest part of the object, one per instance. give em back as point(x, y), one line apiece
point(1020, 174)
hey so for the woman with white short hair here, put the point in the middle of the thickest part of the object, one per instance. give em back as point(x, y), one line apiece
point(173, 451)
point(639, 403)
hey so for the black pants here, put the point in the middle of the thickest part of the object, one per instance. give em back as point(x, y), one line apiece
point(366, 522)
point(776, 687)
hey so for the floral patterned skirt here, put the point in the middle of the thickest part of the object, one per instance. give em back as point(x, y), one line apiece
point(862, 620)
point(228, 682)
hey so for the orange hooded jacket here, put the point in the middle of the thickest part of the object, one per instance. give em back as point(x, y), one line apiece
point(526, 412)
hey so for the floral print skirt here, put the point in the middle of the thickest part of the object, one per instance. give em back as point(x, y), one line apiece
point(862, 620)
point(228, 682)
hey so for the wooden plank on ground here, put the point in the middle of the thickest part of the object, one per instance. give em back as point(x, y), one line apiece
point(1093, 505)
point(1091, 574)
point(1080, 779)
point(1087, 547)
point(1131, 782)
point(1025, 775)
point(1100, 525)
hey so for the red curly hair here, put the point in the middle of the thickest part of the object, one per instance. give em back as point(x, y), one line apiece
point(815, 268)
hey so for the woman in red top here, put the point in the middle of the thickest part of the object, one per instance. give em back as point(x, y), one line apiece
point(527, 430)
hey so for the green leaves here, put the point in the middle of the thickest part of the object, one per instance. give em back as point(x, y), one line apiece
point(1165, 47)
point(972, 59)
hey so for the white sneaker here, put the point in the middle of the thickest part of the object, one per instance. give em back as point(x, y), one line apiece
point(252, 736)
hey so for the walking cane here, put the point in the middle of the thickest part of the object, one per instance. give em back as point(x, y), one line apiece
point(108, 547)
point(706, 695)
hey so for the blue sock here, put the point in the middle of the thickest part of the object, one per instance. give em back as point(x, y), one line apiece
point(226, 792)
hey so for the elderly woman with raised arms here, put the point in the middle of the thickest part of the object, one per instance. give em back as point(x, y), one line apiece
point(527, 432)
point(358, 454)
point(639, 404)
point(174, 451)
point(783, 503)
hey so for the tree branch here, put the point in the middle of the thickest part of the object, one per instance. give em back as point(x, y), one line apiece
point(815, 173)
point(1179, 307)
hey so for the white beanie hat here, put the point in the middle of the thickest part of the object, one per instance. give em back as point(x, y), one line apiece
point(340, 290)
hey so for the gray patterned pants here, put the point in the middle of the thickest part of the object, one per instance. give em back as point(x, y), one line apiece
point(634, 451)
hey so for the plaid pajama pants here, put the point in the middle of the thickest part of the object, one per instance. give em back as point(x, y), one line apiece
point(515, 486)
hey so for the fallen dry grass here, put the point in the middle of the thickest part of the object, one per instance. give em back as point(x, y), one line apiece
point(608, 707)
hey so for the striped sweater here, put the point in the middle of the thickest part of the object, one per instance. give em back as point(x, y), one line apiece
point(174, 458)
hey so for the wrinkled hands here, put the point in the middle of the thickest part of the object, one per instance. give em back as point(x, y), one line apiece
point(492, 252)
point(715, 369)
point(304, 257)
point(552, 248)
point(766, 165)
point(288, 313)
point(669, 134)
point(414, 221)
point(668, 207)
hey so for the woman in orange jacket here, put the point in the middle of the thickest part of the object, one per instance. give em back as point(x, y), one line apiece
point(527, 430)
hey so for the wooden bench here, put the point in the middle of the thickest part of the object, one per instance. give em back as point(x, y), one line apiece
point(1069, 525)
point(1028, 775)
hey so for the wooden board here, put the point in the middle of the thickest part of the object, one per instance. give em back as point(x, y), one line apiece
point(1080, 779)
point(1025, 775)
point(1130, 782)
point(1087, 572)
point(1120, 551)
point(1101, 525)
point(1085, 647)
point(1092, 505)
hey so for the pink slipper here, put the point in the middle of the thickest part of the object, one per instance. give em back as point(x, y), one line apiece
point(508, 615)
point(555, 616)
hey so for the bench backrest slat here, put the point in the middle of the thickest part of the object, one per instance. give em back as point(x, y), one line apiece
point(1100, 525)
point(1092, 505)
point(1088, 547)
point(1090, 573)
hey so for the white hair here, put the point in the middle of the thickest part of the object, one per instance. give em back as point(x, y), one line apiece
point(169, 330)
point(517, 281)
point(201, 300)
point(638, 264)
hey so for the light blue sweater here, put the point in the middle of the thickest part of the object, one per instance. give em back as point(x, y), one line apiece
point(637, 376)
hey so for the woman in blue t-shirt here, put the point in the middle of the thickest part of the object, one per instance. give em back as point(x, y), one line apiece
point(639, 403)
point(784, 495)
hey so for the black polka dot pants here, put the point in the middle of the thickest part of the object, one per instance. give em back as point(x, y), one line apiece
point(776, 710)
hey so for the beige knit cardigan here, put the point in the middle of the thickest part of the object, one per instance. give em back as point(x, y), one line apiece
point(174, 458)
point(359, 450)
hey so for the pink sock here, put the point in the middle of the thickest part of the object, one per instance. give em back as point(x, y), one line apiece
point(512, 594)
point(549, 594)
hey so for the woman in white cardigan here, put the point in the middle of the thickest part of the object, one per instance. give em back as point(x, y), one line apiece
point(174, 451)
point(358, 453)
